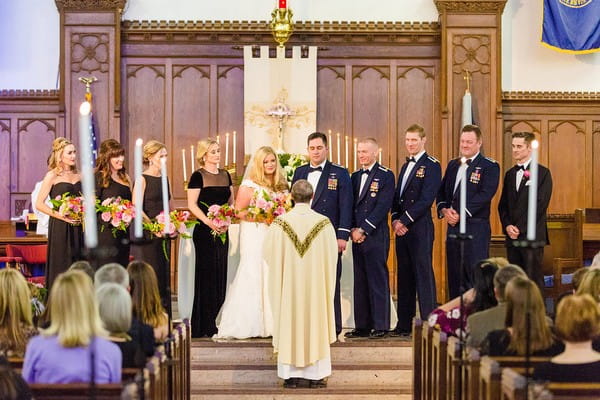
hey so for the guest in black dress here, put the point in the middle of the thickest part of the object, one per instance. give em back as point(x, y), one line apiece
point(154, 249)
point(208, 185)
point(111, 181)
point(65, 238)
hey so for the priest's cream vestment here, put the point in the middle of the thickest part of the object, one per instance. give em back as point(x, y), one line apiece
point(301, 253)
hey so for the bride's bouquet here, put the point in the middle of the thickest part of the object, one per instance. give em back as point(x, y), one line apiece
point(265, 206)
point(117, 211)
point(222, 217)
point(170, 227)
point(68, 206)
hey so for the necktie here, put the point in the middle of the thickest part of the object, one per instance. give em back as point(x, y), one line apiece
point(313, 169)
point(410, 159)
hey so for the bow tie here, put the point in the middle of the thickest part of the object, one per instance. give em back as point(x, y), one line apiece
point(520, 167)
point(313, 169)
point(365, 171)
point(410, 159)
point(468, 161)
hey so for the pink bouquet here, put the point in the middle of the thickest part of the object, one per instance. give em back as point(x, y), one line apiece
point(222, 217)
point(266, 206)
point(176, 224)
point(68, 206)
point(117, 211)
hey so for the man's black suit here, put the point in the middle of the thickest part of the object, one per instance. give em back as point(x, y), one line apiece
point(513, 207)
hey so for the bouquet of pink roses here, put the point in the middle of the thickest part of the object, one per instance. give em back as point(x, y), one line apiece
point(266, 206)
point(222, 217)
point(177, 223)
point(68, 206)
point(117, 211)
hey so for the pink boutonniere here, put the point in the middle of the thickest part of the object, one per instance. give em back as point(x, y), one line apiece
point(526, 174)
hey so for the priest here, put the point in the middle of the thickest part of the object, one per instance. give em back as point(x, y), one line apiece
point(302, 258)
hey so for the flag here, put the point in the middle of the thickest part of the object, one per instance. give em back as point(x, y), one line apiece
point(93, 129)
point(571, 26)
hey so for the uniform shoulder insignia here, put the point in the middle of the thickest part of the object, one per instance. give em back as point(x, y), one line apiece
point(381, 167)
point(435, 160)
point(338, 165)
point(492, 160)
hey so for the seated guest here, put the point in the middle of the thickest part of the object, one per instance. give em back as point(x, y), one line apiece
point(596, 261)
point(62, 353)
point(140, 333)
point(523, 299)
point(577, 323)
point(480, 297)
point(85, 266)
point(12, 385)
point(576, 279)
point(483, 322)
point(16, 326)
point(590, 284)
point(114, 303)
point(147, 305)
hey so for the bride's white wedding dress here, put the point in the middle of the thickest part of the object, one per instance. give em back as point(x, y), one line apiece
point(246, 311)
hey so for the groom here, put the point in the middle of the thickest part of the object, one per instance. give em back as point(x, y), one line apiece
point(333, 198)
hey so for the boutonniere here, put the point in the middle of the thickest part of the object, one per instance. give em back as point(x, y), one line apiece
point(420, 172)
point(526, 174)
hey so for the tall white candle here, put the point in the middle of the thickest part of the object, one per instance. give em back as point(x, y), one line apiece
point(330, 146)
point(184, 169)
point(234, 145)
point(192, 158)
point(218, 139)
point(533, 191)
point(226, 149)
point(339, 156)
point(462, 226)
point(355, 154)
point(165, 193)
point(380, 155)
point(87, 177)
point(347, 165)
point(137, 163)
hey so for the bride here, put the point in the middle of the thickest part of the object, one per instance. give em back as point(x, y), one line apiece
point(246, 312)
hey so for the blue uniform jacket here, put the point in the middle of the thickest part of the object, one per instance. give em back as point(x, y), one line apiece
point(419, 192)
point(333, 196)
point(483, 175)
point(373, 204)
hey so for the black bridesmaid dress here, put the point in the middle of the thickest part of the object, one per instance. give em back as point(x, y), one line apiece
point(65, 241)
point(153, 249)
point(112, 249)
point(211, 254)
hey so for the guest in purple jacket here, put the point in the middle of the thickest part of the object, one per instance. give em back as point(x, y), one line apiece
point(63, 353)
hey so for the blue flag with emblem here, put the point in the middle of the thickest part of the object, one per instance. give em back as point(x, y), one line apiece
point(572, 26)
point(93, 129)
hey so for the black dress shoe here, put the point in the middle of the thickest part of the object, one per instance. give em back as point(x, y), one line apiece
point(290, 383)
point(357, 333)
point(318, 383)
point(400, 333)
point(377, 334)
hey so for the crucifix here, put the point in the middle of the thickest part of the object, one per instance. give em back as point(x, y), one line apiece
point(282, 112)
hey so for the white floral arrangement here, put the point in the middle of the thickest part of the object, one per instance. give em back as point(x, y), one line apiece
point(289, 162)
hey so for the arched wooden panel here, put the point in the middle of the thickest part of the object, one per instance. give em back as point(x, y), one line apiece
point(230, 103)
point(331, 100)
point(596, 164)
point(34, 144)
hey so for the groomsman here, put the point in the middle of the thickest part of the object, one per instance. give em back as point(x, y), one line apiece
point(514, 204)
point(418, 183)
point(373, 187)
point(482, 176)
point(332, 198)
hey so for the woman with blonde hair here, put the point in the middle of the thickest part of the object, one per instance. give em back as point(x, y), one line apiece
point(112, 181)
point(246, 311)
point(590, 284)
point(16, 326)
point(63, 352)
point(145, 298)
point(523, 300)
point(64, 234)
point(208, 186)
point(155, 250)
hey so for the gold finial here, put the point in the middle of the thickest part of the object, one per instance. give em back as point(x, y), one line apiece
point(467, 77)
point(87, 82)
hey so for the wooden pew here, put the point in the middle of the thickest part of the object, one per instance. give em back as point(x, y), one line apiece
point(461, 370)
point(81, 391)
point(417, 334)
point(427, 369)
point(490, 373)
point(438, 362)
point(471, 375)
point(514, 387)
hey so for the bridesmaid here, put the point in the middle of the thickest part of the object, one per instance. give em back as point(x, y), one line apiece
point(65, 238)
point(208, 185)
point(112, 181)
point(152, 251)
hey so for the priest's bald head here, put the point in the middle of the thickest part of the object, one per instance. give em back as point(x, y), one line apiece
point(302, 191)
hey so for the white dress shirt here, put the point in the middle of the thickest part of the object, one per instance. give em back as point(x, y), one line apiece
point(363, 177)
point(409, 168)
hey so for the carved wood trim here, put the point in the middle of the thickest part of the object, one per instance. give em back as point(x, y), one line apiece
point(223, 70)
point(132, 69)
point(89, 5)
point(472, 6)
point(90, 52)
point(383, 72)
point(595, 127)
point(5, 125)
point(204, 72)
point(428, 75)
point(554, 125)
point(508, 125)
point(547, 95)
point(23, 124)
point(28, 93)
point(340, 72)
point(471, 53)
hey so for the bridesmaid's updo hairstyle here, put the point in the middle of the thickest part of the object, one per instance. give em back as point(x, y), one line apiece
point(58, 147)
point(203, 146)
point(151, 148)
point(109, 148)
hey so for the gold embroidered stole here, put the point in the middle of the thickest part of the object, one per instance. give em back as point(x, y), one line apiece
point(302, 247)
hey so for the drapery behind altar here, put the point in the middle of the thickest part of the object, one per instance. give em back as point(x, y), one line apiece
point(186, 277)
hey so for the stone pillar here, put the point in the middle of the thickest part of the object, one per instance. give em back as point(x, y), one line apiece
point(90, 46)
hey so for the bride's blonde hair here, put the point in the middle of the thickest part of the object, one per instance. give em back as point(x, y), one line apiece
point(257, 172)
